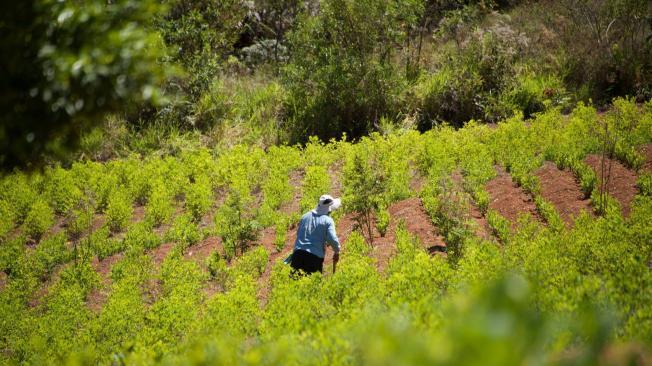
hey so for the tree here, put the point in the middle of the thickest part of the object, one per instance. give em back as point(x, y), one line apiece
point(340, 77)
point(66, 64)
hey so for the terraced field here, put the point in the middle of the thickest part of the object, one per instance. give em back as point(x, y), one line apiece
point(178, 259)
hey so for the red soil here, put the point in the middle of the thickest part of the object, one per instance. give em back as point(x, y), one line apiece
point(98, 296)
point(508, 199)
point(560, 188)
point(200, 251)
point(138, 215)
point(621, 181)
point(646, 151)
point(159, 253)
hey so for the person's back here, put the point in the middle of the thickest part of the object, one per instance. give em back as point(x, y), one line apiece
point(316, 230)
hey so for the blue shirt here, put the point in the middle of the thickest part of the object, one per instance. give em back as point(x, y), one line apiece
point(315, 231)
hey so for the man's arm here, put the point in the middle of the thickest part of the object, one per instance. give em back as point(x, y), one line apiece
point(334, 243)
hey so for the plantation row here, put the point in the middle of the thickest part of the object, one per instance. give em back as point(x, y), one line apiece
point(536, 288)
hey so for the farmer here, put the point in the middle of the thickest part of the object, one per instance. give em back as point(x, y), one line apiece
point(316, 229)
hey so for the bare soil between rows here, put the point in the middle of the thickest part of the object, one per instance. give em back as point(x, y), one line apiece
point(508, 199)
point(561, 189)
point(621, 182)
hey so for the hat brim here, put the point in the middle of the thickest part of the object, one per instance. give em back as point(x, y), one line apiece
point(323, 209)
point(337, 203)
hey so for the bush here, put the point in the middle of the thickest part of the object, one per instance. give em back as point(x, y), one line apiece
point(160, 206)
point(119, 210)
point(184, 231)
point(199, 198)
point(339, 78)
point(39, 219)
point(533, 93)
point(61, 190)
point(7, 218)
point(468, 84)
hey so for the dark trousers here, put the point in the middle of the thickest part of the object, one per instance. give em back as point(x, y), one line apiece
point(307, 262)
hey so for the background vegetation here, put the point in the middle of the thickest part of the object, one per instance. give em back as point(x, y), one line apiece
point(280, 71)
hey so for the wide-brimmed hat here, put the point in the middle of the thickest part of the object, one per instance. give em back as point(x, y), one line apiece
point(327, 204)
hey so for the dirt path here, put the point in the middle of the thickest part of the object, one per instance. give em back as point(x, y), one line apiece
point(560, 188)
point(508, 199)
point(622, 181)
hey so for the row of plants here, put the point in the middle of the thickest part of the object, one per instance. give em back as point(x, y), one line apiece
point(547, 288)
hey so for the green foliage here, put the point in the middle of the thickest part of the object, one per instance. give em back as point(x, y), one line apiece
point(499, 225)
point(160, 206)
point(61, 190)
point(199, 198)
point(204, 33)
point(217, 268)
point(282, 227)
point(316, 182)
point(533, 93)
point(80, 60)
point(39, 219)
point(7, 218)
point(251, 263)
point(184, 231)
point(363, 189)
point(80, 222)
point(546, 293)
point(119, 209)
point(140, 237)
point(644, 184)
point(340, 78)
point(382, 221)
point(51, 252)
point(235, 224)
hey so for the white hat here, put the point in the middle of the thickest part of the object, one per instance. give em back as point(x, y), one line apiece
point(327, 204)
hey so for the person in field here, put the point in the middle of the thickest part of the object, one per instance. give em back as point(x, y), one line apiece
point(316, 230)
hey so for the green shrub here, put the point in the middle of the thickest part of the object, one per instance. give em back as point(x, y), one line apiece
point(51, 252)
point(39, 219)
point(184, 231)
point(7, 218)
point(282, 227)
point(252, 263)
point(338, 78)
point(644, 184)
point(549, 213)
point(363, 189)
point(61, 190)
point(235, 224)
point(500, 226)
point(217, 268)
point(160, 205)
point(533, 93)
point(79, 222)
point(382, 221)
point(315, 183)
point(119, 210)
point(199, 198)
point(140, 237)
